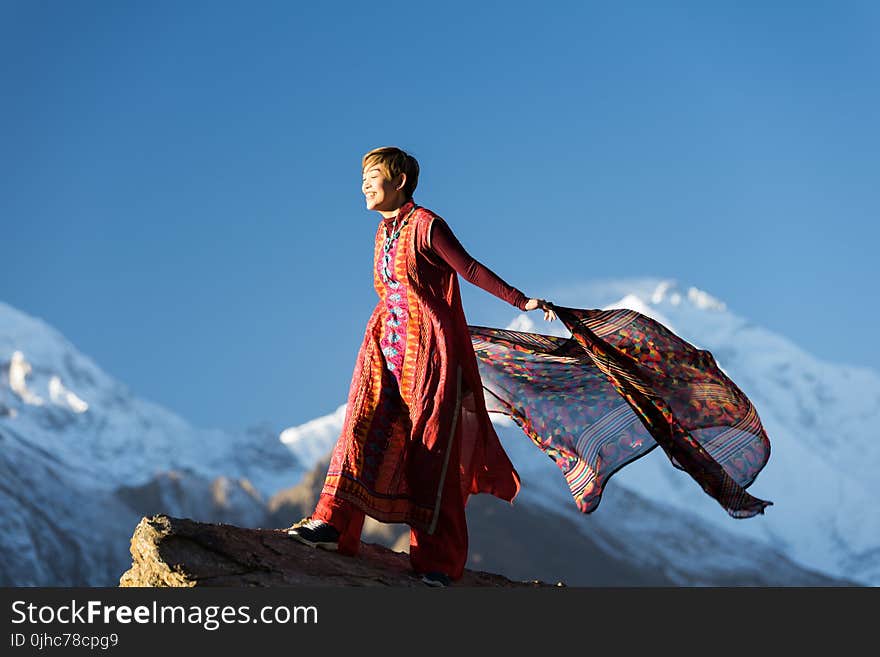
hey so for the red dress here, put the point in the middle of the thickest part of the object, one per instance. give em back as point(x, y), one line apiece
point(417, 439)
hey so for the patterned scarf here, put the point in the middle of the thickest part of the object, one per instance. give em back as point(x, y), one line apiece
point(619, 386)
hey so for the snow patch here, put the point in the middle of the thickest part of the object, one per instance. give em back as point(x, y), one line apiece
point(64, 397)
point(19, 369)
point(312, 441)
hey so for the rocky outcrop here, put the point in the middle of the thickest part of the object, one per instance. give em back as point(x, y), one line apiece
point(170, 551)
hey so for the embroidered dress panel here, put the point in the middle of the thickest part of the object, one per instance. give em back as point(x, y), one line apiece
point(394, 325)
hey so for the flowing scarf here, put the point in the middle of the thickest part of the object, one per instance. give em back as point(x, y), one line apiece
point(619, 386)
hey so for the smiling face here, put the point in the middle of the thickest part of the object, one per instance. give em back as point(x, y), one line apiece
point(381, 194)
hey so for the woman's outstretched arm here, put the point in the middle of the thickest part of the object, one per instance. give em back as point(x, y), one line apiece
point(443, 242)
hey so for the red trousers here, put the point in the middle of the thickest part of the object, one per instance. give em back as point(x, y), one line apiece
point(443, 551)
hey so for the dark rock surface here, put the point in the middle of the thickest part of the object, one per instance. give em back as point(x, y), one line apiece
point(170, 551)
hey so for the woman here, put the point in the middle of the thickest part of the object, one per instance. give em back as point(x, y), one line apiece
point(417, 439)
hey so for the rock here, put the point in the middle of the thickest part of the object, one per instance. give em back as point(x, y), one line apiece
point(170, 551)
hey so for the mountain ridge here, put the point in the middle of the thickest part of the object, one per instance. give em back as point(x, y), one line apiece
point(73, 434)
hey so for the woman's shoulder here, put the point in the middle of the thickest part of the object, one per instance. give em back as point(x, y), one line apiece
point(423, 220)
point(425, 214)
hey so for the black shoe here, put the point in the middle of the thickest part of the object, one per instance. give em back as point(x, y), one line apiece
point(315, 533)
point(435, 579)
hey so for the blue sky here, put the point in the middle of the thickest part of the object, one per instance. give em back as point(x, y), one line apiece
point(180, 182)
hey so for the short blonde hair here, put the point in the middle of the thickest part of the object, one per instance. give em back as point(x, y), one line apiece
point(392, 161)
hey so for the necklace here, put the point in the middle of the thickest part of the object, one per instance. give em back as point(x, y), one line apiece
point(389, 243)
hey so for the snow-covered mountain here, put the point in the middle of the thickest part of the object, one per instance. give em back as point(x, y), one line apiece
point(822, 420)
point(82, 459)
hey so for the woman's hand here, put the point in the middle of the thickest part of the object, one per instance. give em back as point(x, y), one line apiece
point(532, 304)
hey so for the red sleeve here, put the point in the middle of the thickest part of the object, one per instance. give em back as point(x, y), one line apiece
point(450, 250)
